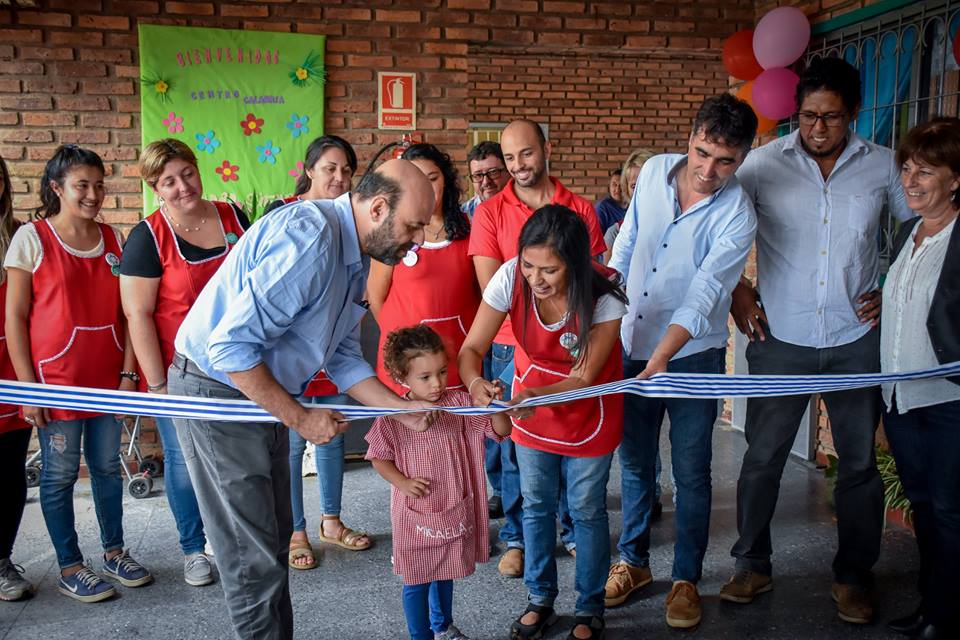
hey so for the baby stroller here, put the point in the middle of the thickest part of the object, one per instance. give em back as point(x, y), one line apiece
point(139, 479)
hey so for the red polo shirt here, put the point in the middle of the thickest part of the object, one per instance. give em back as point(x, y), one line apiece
point(495, 231)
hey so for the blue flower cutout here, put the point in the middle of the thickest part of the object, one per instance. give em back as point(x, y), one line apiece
point(207, 142)
point(268, 152)
point(298, 125)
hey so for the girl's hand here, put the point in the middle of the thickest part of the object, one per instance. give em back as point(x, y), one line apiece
point(126, 384)
point(483, 392)
point(522, 412)
point(414, 487)
point(37, 416)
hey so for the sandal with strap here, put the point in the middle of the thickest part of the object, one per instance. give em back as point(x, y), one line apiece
point(521, 631)
point(596, 625)
point(348, 538)
point(301, 549)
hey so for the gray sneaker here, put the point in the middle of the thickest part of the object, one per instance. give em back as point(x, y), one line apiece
point(452, 633)
point(12, 584)
point(197, 570)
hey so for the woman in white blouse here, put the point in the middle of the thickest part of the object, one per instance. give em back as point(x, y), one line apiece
point(919, 330)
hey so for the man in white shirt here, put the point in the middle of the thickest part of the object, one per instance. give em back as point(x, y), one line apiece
point(819, 194)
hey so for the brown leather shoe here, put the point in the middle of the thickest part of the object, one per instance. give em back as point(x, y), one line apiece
point(622, 581)
point(853, 603)
point(683, 605)
point(511, 563)
point(744, 586)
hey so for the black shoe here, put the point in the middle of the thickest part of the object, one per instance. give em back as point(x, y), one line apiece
point(908, 625)
point(520, 631)
point(595, 623)
point(657, 511)
point(936, 632)
point(495, 507)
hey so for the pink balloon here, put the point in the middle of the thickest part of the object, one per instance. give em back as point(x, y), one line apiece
point(781, 36)
point(774, 93)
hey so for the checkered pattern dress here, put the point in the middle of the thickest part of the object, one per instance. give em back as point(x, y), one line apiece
point(443, 535)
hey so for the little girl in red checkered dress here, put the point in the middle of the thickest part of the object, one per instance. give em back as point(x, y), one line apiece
point(438, 501)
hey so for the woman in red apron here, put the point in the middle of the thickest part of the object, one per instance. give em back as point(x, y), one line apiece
point(14, 430)
point(167, 260)
point(565, 310)
point(438, 499)
point(327, 173)
point(64, 326)
point(435, 285)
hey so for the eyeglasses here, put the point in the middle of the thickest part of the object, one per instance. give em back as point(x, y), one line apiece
point(832, 120)
point(492, 174)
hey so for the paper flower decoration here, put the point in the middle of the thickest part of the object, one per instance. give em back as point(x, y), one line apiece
point(268, 152)
point(207, 142)
point(158, 85)
point(228, 171)
point(173, 123)
point(297, 171)
point(298, 125)
point(251, 124)
point(310, 70)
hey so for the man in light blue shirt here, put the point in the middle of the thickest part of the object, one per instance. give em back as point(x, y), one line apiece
point(286, 303)
point(681, 250)
point(819, 194)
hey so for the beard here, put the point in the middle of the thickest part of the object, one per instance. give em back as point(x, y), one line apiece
point(826, 153)
point(536, 175)
point(381, 243)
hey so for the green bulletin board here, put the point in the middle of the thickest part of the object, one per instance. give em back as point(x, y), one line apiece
point(247, 102)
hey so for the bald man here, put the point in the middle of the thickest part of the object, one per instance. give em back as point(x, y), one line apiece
point(286, 303)
point(493, 240)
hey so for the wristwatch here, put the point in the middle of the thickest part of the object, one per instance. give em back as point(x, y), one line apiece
point(131, 375)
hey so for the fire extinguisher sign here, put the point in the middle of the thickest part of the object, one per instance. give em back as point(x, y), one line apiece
point(397, 100)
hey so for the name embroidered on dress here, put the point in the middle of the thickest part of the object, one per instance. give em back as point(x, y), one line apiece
point(448, 533)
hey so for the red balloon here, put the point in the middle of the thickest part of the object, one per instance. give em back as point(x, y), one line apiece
point(764, 124)
point(738, 56)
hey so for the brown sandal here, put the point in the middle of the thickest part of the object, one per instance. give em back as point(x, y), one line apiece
point(348, 538)
point(301, 549)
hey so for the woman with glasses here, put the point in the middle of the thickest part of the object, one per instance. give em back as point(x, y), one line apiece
point(435, 285)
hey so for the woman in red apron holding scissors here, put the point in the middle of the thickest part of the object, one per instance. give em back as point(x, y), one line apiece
point(565, 310)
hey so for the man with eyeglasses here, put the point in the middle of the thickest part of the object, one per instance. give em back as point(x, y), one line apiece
point(494, 237)
point(488, 173)
point(819, 194)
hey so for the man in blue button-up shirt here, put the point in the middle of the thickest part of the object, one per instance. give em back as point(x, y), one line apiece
point(819, 194)
point(681, 249)
point(286, 302)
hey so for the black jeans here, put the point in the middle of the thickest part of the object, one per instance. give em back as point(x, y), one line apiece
point(926, 445)
point(13, 497)
point(771, 427)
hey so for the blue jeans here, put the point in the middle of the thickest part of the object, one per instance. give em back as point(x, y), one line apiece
point(329, 459)
point(691, 431)
point(60, 444)
point(428, 608)
point(179, 489)
point(541, 475)
point(499, 364)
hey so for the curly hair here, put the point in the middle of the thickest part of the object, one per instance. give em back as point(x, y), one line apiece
point(407, 343)
point(455, 223)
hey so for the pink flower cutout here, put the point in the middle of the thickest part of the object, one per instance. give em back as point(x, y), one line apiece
point(173, 123)
point(296, 171)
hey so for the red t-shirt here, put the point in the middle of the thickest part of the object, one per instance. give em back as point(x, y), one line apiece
point(496, 227)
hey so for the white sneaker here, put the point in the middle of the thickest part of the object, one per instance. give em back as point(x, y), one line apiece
point(197, 570)
point(452, 633)
point(13, 586)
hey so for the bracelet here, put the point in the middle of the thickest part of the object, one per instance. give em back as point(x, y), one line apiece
point(158, 386)
point(470, 386)
point(130, 375)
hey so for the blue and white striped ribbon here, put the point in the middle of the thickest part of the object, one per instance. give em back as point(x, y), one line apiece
point(664, 385)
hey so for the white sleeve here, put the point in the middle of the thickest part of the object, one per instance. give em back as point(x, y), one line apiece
point(25, 251)
point(499, 291)
point(118, 234)
point(608, 308)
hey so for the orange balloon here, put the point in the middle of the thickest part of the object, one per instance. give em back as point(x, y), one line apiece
point(764, 124)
